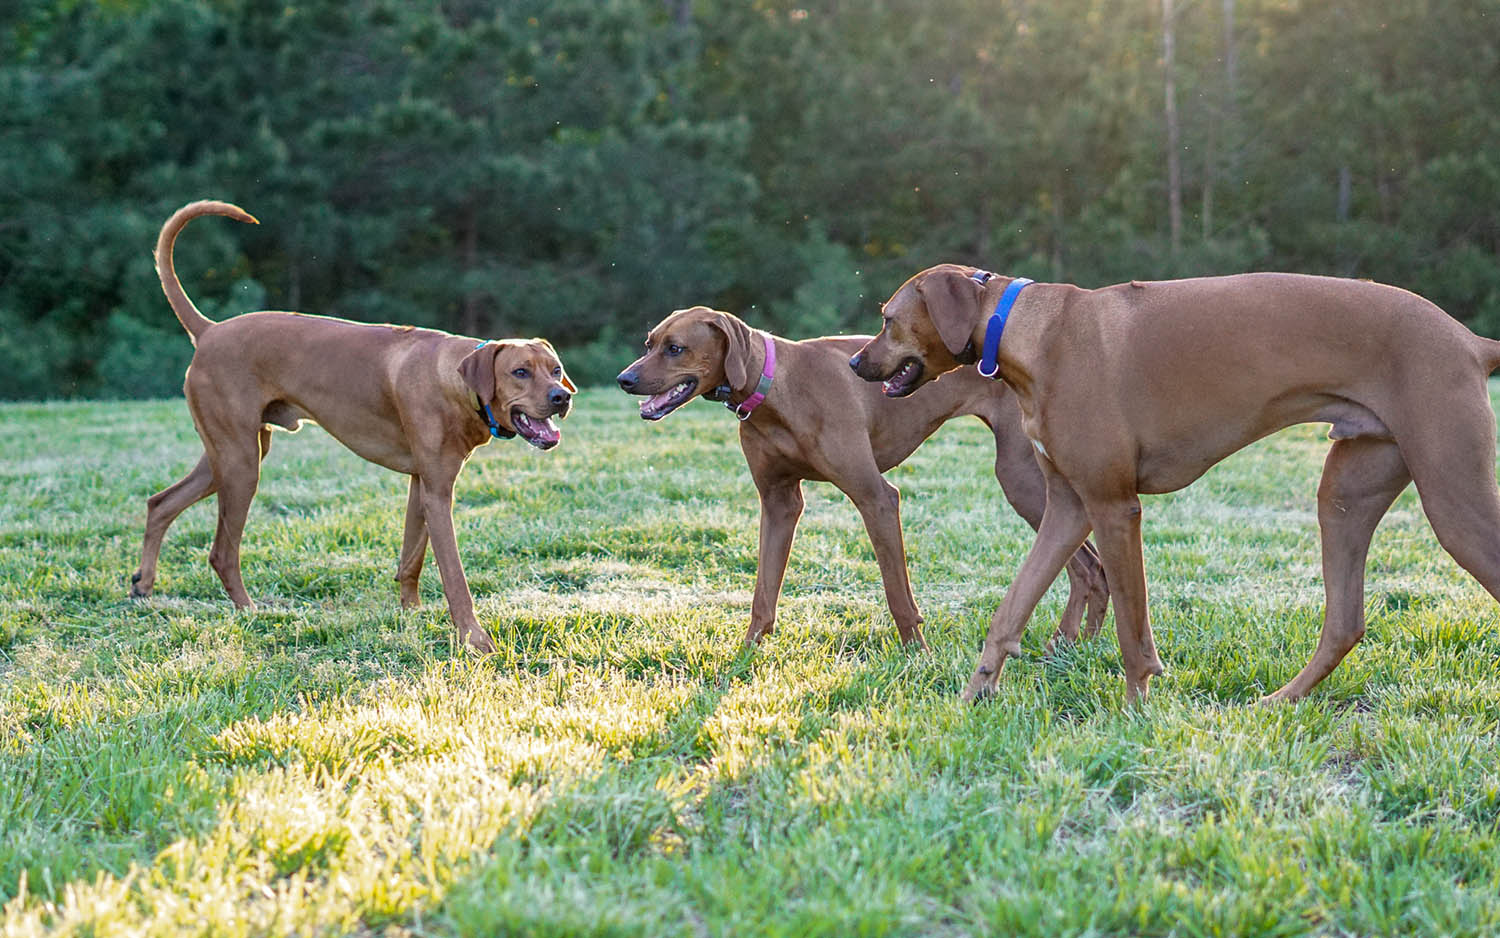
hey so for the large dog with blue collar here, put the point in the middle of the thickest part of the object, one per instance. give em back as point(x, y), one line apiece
point(1141, 387)
point(416, 401)
point(804, 416)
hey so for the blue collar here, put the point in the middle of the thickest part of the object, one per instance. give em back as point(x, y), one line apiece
point(989, 364)
point(484, 412)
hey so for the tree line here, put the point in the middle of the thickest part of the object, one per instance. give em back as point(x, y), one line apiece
point(577, 168)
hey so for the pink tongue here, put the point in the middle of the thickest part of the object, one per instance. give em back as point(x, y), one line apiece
point(656, 401)
point(545, 430)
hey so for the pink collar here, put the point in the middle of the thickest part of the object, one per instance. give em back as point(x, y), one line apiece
point(744, 408)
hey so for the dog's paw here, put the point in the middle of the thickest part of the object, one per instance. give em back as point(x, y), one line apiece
point(977, 695)
point(479, 641)
point(981, 688)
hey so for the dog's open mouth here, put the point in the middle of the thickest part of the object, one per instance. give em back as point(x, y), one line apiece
point(543, 433)
point(904, 381)
point(658, 406)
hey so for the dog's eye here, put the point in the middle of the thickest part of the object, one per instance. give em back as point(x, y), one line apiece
point(521, 373)
point(556, 372)
point(674, 350)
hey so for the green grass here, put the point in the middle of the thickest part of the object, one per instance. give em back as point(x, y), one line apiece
point(330, 764)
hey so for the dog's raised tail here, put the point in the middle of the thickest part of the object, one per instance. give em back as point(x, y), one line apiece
point(187, 314)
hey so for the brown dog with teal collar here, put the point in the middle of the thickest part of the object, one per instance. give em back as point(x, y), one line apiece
point(417, 401)
point(804, 416)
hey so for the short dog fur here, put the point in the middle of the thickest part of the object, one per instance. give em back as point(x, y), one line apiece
point(1141, 387)
point(819, 422)
point(404, 398)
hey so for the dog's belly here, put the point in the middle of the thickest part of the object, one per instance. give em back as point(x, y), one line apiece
point(388, 450)
point(1171, 465)
point(370, 440)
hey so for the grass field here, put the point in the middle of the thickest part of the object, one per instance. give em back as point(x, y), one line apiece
point(330, 764)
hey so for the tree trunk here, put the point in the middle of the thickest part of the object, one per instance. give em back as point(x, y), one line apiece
point(1210, 172)
point(294, 272)
point(470, 254)
point(982, 234)
point(1231, 56)
point(681, 11)
point(1232, 138)
point(1057, 232)
point(1174, 145)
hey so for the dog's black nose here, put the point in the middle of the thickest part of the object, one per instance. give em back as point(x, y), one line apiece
point(557, 397)
point(627, 381)
point(857, 360)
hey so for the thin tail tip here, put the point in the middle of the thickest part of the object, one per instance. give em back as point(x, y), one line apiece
point(217, 207)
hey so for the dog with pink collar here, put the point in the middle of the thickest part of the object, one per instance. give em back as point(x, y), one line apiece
point(803, 415)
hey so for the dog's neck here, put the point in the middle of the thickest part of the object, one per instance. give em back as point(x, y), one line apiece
point(755, 369)
point(1025, 335)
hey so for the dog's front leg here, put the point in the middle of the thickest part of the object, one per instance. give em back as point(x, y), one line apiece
point(413, 546)
point(437, 511)
point(1065, 524)
point(1117, 528)
point(780, 509)
point(1024, 484)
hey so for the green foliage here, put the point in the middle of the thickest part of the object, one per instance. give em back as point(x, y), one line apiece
point(32, 358)
point(331, 764)
point(571, 167)
point(140, 360)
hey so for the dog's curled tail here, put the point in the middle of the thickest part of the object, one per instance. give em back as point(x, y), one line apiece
point(187, 314)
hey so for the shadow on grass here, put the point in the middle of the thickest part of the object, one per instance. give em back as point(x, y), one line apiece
point(682, 788)
point(95, 797)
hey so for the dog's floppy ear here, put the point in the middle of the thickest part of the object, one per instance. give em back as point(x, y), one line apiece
point(478, 371)
point(736, 348)
point(565, 380)
point(952, 301)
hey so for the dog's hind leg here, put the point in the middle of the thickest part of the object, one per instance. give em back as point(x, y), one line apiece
point(236, 457)
point(1361, 478)
point(1453, 464)
point(879, 504)
point(413, 545)
point(853, 468)
point(161, 510)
